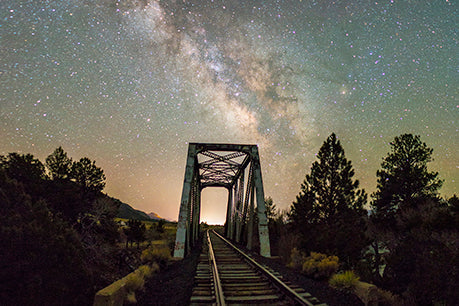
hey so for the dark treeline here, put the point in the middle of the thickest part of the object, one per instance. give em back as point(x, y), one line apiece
point(405, 243)
point(57, 230)
point(58, 235)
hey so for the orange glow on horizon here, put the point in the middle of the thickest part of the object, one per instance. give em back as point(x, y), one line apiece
point(213, 205)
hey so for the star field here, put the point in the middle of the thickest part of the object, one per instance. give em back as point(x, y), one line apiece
point(130, 83)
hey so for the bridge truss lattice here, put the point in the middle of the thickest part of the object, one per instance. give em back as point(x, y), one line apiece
point(237, 168)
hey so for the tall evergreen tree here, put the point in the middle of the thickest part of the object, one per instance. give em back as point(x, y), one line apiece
point(27, 170)
point(88, 175)
point(404, 179)
point(23, 167)
point(271, 210)
point(417, 228)
point(59, 164)
point(330, 205)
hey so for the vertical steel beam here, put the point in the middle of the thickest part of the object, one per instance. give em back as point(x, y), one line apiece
point(189, 221)
point(251, 218)
point(233, 212)
point(183, 222)
point(195, 213)
point(228, 212)
point(198, 213)
point(239, 207)
point(263, 231)
point(245, 212)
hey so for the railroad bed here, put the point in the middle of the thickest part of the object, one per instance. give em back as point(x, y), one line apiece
point(226, 275)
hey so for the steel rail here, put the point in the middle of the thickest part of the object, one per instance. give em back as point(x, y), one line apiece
point(219, 297)
point(279, 283)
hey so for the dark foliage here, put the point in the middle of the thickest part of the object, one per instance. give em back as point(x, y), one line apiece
point(27, 170)
point(403, 179)
point(57, 237)
point(135, 232)
point(418, 229)
point(42, 258)
point(424, 254)
point(87, 175)
point(328, 213)
point(59, 164)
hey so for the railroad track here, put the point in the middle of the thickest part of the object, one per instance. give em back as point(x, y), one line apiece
point(226, 275)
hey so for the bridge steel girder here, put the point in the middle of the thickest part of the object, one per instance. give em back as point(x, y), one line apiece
point(235, 167)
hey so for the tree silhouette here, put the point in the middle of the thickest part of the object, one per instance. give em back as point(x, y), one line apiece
point(23, 167)
point(27, 170)
point(135, 231)
point(59, 164)
point(417, 228)
point(50, 226)
point(403, 179)
point(329, 209)
point(37, 246)
point(88, 175)
point(271, 212)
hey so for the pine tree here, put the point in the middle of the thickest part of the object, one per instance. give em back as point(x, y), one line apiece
point(404, 179)
point(271, 210)
point(59, 164)
point(330, 205)
point(88, 175)
point(414, 225)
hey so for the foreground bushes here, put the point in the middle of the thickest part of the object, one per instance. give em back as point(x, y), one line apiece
point(346, 280)
point(317, 265)
point(158, 254)
point(320, 266)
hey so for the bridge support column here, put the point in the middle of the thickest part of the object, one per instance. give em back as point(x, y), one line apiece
point(196, 210)
point(229, 210)
point(239, 208)
point(185, 205)
point(251, 220)
point(263, 231)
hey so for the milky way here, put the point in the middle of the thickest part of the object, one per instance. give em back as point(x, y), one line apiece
point(130, 83)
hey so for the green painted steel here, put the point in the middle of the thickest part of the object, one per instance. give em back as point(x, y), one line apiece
point(235, 167)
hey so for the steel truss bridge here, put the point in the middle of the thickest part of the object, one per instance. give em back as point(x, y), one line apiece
point(235, 167)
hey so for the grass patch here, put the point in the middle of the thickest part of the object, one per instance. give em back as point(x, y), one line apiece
point(346, 280)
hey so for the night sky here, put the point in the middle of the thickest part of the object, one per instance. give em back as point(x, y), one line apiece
point(130, 83)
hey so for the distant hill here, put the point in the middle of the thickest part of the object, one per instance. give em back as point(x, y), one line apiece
point(155, 216)
point(127, 212)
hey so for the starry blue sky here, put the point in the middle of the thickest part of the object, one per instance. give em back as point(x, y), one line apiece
point(130, 83)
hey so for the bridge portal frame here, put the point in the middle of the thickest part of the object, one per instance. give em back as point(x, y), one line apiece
point(235, 167)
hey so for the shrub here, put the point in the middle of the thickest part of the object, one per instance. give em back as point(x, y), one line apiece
point(346, 280)
point(161, 255)
point(320, 266)
point(296, 259)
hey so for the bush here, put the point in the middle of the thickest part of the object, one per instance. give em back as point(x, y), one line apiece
point(160, 255)
point(320, 266)
point(346, 280)
point(296, 259)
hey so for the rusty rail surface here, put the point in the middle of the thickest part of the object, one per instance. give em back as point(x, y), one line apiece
point(226, 275)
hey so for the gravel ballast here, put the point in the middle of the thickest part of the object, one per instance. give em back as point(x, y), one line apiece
point(173, 285)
